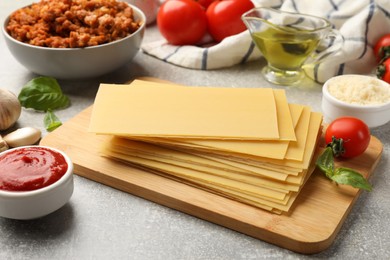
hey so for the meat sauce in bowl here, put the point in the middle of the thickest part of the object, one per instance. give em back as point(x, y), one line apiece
point(78, 43)
point(72, 23)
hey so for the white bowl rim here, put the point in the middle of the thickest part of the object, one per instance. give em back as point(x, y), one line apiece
point(371, 107)
point(138, 11)
point(59, 182)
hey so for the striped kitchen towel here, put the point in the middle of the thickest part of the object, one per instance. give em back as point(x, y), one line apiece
point(361, 22)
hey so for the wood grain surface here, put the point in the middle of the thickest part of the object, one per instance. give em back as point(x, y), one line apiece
point(310, 227)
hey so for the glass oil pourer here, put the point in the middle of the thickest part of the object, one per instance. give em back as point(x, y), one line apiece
point(290, 41)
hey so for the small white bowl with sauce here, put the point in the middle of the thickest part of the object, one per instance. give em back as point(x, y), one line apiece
point(34, 181)
point(360, 96)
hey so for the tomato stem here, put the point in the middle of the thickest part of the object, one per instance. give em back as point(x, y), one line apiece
point(384, 53)
point(380, 71)
point(337, 146)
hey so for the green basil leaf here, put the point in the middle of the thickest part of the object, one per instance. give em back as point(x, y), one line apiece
point(42, 94)
point(350, 177)
point(326, 162)
point(51, 121)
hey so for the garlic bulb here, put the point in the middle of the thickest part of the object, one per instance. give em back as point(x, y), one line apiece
point(10, 109)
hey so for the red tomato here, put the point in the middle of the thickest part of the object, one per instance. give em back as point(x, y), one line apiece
point(383, 70)
point(353, 133)
point(382, 47)
point(224, 17)
point(204, 3)
point(182, 22)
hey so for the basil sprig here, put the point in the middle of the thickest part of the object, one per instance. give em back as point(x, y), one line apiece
point(341, 175)
point(51, 121)
point(44, 94)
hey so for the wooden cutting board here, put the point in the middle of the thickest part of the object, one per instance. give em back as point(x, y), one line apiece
point(310, 227)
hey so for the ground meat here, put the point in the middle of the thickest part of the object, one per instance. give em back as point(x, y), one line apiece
point(72, 23)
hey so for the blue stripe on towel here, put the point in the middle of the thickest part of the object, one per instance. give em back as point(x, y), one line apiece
point(171, 54)
point(204, 59)
point(294, 6)
point(386, 12)
point(248, 53)
point(334, 6)
point(369, 17)
point(316, 72)
point(341, 69)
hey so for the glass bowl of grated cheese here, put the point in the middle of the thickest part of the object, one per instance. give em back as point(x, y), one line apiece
point(361, 96)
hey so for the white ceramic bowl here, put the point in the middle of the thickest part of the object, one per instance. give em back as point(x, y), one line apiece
point(37, 203)
point(372, 115)
point(77, 63)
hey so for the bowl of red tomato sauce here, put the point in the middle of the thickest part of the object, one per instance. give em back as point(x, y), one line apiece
point(34, 181)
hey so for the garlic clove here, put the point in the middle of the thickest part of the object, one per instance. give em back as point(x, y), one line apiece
point(10, 109)
point(3, 145)
point(23, 136)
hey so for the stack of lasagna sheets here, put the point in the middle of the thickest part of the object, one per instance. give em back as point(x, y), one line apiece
point(247, 144)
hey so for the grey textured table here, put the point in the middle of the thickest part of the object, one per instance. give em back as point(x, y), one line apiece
point(103, 223)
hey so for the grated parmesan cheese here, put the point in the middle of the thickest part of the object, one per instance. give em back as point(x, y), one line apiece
point(360, 90)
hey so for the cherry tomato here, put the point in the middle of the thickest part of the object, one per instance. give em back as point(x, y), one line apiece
point(204, 3)
point(382, 47)
point(353, 133)
point(383, 70)
point(182, 22)
point(224, 17)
